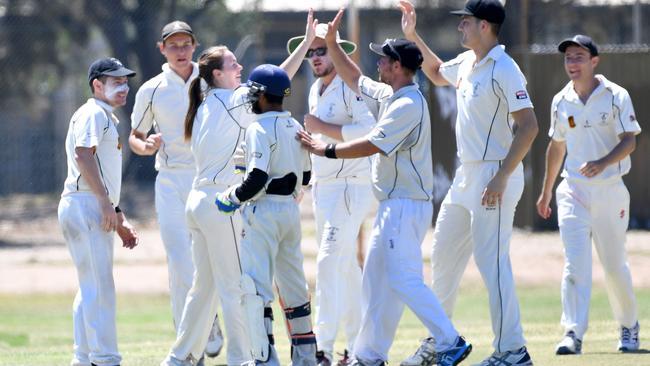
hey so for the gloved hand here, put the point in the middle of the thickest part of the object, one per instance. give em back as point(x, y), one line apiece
point(239, 158)
point(227, 202)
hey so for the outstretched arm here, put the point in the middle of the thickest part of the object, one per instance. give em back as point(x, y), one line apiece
point(345, 67)
point(431, 63)
point(293, 62)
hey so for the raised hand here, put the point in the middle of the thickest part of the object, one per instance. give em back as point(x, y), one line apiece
point(333, 27)
point(310, 29)
point(408, 18)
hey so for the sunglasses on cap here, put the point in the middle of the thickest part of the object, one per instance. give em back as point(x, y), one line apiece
point(320, 51)
point(391, 50)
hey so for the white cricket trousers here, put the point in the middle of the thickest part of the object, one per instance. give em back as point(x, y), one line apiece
point(464, 227)
point(392, 277)
point(216, 258)
point(340, 207)
point(172, 189)
point(91, 248)
point(601, 212)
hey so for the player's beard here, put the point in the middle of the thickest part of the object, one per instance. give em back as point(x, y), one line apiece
point(326, 72)
point(255, 107)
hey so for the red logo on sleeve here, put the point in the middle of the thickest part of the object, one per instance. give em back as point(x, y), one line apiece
point(521, 94)
point(622, 214)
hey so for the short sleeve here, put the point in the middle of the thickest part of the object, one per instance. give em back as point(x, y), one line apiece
point(89, 128)
point(240, 108)
point(556, 130)
point(362, 120)
point(373, 93)
point(258, 149)
point(449, 69)
point(626, 118)
point(142, 115)
point(395, 126)
point(513, 85)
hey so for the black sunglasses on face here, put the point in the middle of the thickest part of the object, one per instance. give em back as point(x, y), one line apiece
point(320, 51)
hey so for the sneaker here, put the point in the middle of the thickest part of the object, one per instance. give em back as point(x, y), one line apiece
point(454, 355)
point(215, 340)
point(356, 362)
point(629, 341)
point(345, 359)
point(322, 360)
point(569, 345)
point(518, 357)
point(424, 356)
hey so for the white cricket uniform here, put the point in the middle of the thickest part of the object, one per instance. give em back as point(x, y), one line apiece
point(596, 207)
point(342, 197)
point(219, 126)
point(271, 237)
point(486, 94)
point(402, 177)
point(162, 103)
point(91, 248)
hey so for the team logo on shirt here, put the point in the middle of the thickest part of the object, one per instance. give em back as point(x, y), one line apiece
point(330, 111)
point(572, 122)
point(521, 94)
point(475, 89)
point(603, 118)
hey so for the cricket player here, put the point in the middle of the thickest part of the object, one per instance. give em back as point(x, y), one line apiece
point(403, 183)
point(342, 197)
point(89, 212)
point(495, 127)
point(161, 103)
point(276, 167)
point(593, 124)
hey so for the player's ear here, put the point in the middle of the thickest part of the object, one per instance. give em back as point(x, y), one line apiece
point(97, 85)
point(161, 47)
point(594, 61)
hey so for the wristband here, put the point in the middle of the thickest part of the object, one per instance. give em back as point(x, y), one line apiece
point(118, 209)
point(330, 151)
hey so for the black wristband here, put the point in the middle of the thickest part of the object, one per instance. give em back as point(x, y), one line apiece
point(118, 209)
point(330, 151)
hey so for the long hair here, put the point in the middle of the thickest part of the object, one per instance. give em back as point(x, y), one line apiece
point(210, 59)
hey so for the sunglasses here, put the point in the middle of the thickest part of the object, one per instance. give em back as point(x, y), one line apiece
point(320, 51)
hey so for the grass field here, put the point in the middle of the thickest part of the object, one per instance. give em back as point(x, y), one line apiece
point(37, 329)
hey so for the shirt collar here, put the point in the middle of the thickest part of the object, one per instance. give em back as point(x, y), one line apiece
point(172, 75)
point(495, 54)
point(334, 84)
point(603, 84)
point(403, 90)
point(273, 114)
point(103, 104)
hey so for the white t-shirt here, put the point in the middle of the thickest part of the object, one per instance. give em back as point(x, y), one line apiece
point(271, 147)
point(486, 94)
point(339, 105)
point(591, 130)
point(403, 134)
point(219, 126)
point(95, 125)
point(162, 103)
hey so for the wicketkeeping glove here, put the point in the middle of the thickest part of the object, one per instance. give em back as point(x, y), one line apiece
point(227, 202)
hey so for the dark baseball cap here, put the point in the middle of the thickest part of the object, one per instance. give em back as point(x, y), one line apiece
point(108, 66)
point(271, 79)
point(488, 10)
point(174, 27)
point(402, 50)
point(581, 41)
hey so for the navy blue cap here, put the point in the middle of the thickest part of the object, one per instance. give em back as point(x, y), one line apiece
point(174, 27)
point(581, 41)
point(402, 50)
point(108, 66)
point(270, 79)
point(488, 10)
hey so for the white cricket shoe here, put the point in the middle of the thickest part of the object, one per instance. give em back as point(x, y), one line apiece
point(629, 341)
point(424, 356)
point(215, 340)
point(518, 357)
point(569, 345)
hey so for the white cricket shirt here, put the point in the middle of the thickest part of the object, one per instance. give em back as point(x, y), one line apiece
point(162, 103)
point(403, 134)
point(486, 93)
point(219, 126)
point(591, 130)
point(95, 125)
point(339, 105)
point(271, 147)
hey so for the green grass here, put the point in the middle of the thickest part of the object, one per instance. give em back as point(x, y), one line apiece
point(37, 329)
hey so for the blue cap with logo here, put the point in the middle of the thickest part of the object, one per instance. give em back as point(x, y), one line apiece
point(108, 66)
point(270, 79)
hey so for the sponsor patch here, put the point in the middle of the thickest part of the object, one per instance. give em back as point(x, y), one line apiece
point(521, 94)
point(257, 154)
point(359, 98)
point(572, 122)
point(632, 118)
point(622, 213)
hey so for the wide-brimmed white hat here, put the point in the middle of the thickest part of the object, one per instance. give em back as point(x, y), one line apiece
point(321, 30)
